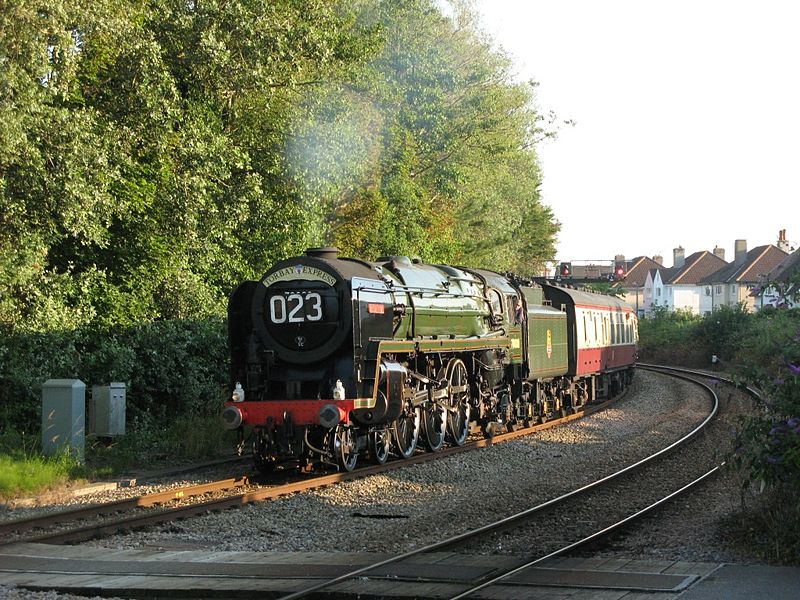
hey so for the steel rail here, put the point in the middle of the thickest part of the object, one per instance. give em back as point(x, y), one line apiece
point(755, 392)
point(595, 536)
point(523, 515)
point(108, 508)
point(676, 372)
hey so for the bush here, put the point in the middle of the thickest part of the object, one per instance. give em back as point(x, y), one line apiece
point(153, 442)
point(769, 442)
point(170, 368)
point(724, 330)
point(671, 338)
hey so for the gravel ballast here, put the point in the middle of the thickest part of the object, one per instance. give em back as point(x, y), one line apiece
point(421, 504)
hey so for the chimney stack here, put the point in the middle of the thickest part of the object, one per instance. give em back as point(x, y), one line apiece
point(719, 252)
point(659, 259)
point(782, 243)
point(740, 252)
point(678, 257)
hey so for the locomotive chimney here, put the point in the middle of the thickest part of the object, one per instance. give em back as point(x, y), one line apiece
point(326, 252)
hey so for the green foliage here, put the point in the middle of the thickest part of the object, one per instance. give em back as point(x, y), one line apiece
point(170, 368)
point(724, 331)
point(769, 441)
point(158, 443)
point(671, 337)
point(154, 155)
point(436, 137)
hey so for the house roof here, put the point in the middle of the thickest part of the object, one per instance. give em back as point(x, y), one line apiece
point(758, 263)
point(788, 267)
point(696, 268)
point(636, 272)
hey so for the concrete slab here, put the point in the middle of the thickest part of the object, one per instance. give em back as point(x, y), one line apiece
point(747, 582)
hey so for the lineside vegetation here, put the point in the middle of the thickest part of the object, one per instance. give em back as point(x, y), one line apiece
point(762, 350)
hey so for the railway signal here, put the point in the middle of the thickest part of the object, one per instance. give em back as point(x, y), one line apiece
point(565, 269)
point(619, 270)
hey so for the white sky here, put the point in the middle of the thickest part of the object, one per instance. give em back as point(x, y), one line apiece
point(687, 119)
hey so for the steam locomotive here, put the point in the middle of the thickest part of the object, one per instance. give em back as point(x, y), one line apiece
point(336, 359)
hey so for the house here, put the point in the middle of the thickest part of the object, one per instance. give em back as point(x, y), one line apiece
point(787, 276)
point(653, 291)
point(678, 288)
point(734, 283)
point(633, 286)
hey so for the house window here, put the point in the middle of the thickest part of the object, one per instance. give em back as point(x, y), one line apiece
point(708, 290)
point(658, 292)
point(733, 290)
point(718, 289)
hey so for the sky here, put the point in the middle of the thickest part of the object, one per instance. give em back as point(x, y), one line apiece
point(687, 120)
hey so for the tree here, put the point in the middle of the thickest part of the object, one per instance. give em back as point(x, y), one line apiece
point(441, 140)
point(153, 155)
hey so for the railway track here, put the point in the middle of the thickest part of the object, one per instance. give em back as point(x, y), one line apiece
point(80, 524)
point(565, 503)
point(364, 580)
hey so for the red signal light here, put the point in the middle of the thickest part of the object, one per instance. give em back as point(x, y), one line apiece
point(619, 271)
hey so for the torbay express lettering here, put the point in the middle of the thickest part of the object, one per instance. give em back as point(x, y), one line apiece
point(296, 272)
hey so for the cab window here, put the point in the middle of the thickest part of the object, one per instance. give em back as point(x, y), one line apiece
point(496, 301)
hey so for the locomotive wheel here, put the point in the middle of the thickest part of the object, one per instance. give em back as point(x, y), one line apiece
point(380, 445)
point(405, 432)
point(434, 424)
point(458, 397)
point(345, 447)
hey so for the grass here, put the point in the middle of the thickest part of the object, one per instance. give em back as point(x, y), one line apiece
point(25, 472)
point(26, 475)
